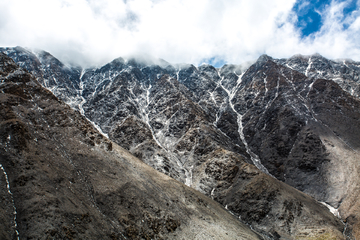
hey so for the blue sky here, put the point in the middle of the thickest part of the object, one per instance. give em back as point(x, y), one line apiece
point(93, 32)
point(309, 14)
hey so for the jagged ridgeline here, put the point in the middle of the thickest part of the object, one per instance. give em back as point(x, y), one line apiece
point(62, 179)
point(276, 143)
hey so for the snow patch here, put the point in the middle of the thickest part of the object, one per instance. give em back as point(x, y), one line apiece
point(98, 128)
point(189, 176)
point(254, 158)
point(212, 194)
point(265, 82)
point(333, 210)
point(308, 67)
point(82, 73)
point(310, 87)
point(12, 199)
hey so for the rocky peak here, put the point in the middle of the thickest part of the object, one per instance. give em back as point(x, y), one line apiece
point(264, 58)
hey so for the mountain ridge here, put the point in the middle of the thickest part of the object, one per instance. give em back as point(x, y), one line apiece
point(187, 122)
point(67, 181)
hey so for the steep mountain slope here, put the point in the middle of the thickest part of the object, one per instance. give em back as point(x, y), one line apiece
point(204, 126)
point(62, 80)
point(344, 72)
point(305, 131)
point(61, 179)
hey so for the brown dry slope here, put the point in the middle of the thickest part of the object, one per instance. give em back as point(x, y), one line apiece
point(66, 181)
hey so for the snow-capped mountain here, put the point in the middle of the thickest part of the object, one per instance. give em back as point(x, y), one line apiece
point(296, 120)
point(61, 179)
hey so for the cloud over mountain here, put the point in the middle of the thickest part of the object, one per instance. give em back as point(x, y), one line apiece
point(95, 31)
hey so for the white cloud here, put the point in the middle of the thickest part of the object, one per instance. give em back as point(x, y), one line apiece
point(96, 31)
point(333, 40)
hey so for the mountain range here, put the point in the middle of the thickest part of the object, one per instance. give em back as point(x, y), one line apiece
point(268, 150)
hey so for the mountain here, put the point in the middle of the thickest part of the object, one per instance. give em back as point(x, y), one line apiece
point(61, 179)
point(244, 136)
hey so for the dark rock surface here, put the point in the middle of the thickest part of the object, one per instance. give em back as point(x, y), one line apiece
point(304, 130)
point(269, 206)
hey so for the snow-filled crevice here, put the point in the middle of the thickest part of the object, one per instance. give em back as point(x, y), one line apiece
point(303, 101)
point(83, 100)
point(333, 210)
point(287, 65)
point(189, 172)
point(177, 75)
point(189, 176)
point(231, 94)
point(110, 77)
point(98, 128)
point(308, 67)
point(12, 200)
point(81, 109)
point(265, 82)
point(276, 95)
point(310, 88)
point(212, 194)
point(219, 113)
point(254, 158)
point(142, 103)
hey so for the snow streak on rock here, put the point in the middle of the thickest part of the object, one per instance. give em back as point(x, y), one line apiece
point(12, 199)
point(308, 68)
point(83, 100)
point(254, 158)
point(98, 128)
point(332, 209)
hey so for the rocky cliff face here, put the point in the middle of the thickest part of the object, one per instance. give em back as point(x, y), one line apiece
point(344, 72)
point(296, 120)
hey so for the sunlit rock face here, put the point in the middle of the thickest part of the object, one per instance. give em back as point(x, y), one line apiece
point(232, 133)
